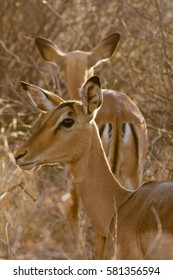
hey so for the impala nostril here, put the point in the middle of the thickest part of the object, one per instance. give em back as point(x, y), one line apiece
point(18, 156)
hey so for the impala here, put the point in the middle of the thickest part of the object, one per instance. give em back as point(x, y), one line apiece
point(130, 224)
point(128, 128)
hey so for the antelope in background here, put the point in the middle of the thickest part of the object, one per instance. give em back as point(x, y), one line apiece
point(130, 224)
point(128, 128)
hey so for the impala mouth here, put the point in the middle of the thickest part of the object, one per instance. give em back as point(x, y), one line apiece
point(27, 166)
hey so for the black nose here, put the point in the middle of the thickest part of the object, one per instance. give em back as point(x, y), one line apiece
point(18, 156)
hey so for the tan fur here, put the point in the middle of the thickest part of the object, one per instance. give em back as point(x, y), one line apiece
point(117, 108)
point(125, 158)
point(130, 225)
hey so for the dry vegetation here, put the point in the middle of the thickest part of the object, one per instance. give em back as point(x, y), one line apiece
point(33, 214)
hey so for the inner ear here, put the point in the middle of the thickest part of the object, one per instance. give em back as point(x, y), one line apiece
point(41, 99)
point(91, 95)
point(104, 50)
point(49, 50)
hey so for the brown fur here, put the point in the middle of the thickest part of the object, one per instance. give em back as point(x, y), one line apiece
point(130, 225)
point(117, 108)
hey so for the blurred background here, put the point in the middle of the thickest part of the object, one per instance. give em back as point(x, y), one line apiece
point(34, 204)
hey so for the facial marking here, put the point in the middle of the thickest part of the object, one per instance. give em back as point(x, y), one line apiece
point(65, 115)
point(68, 115)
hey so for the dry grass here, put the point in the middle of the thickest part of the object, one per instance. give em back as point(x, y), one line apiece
point(33, 215)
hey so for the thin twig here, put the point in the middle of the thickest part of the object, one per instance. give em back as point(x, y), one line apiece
point(66, 21)
point(8, 51)
point(160, 129)
point(7, 238)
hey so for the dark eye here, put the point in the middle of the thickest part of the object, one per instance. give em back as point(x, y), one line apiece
point(67, 122)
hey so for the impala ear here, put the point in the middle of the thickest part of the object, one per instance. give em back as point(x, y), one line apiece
point(104, 50)
point(49, 51)
point(91, 95)
point(42, 99)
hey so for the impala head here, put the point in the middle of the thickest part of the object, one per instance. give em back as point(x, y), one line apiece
point(77, 65)
point(65, 131)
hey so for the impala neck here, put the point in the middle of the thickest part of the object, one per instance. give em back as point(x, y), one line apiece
point(73, 81)
point(100, 193)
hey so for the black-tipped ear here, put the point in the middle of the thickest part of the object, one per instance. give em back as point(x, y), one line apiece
point(42, 99)
point(91, 95)
point(24, 85)
point(95, 80)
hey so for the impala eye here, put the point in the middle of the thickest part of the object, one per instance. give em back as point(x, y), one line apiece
point(68, 122)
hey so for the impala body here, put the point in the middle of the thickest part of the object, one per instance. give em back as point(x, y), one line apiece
point(130, 224)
